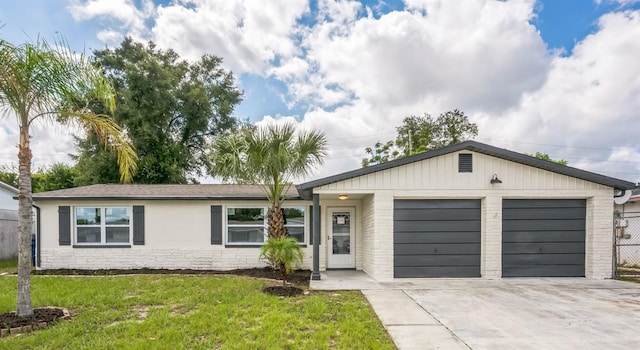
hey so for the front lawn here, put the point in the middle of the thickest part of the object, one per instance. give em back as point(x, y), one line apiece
point(9, 266)
point(192, 312)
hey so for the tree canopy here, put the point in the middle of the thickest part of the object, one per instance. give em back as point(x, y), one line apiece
point(420, 134)
point(57, 176)
point(172, 109)
point(545, 156)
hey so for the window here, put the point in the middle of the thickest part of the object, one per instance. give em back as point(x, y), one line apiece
point(294, 223)
point(249, 225)
point(465, 163)
point(106, 226)
point(245, 225)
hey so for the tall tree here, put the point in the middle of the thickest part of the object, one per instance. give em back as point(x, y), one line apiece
point(171, 107)
point(41, 83)
point(420, 134)
point(270, 156)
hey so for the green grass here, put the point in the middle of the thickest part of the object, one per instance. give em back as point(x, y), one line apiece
point(9, 266)
point(193, 312)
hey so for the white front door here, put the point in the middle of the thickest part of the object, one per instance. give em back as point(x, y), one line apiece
point(341, 239)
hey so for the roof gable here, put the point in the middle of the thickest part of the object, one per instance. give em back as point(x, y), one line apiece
point(306, 189)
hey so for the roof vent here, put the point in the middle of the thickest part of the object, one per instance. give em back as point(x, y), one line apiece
point(465, 163)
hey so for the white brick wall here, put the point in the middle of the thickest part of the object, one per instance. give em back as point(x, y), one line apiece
point(136, 257)
point(491, 249)
point(383, 238)
point(377, 210)
point(368, 232)
point(177, 236)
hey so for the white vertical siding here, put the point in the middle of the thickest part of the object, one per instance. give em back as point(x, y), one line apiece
point(442, 173)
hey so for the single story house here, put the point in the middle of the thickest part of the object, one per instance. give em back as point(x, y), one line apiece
point(467, 210)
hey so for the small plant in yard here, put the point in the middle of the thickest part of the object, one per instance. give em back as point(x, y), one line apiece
point(282, 254)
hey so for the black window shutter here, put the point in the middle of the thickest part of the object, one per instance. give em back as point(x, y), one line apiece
point(216, 224)
point(64, 225)
point(138, 224)
point(465, 163)
point(311, 224)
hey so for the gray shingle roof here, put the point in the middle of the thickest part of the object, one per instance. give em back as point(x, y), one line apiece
point(137, 191)
point(306, 188)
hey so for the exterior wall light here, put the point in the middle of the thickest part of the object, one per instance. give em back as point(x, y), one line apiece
point(343, 197)
point(495, 180)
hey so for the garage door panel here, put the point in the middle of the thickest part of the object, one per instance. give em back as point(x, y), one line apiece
point(544, 213)
point(436, 226)
point(437, 204)
point(544, 225)
point(544, 248)
point(436, 249)
point(436, 260)
point(437, 237)
point(436, 271)
point(424, 214)
point(543, 203)
point(543, 259)
point(545, 271)
point(543, 236)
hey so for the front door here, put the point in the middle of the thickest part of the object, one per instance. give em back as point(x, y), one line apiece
point(341, 239)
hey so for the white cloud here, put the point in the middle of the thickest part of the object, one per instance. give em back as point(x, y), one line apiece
point(358, 75)
point(109, 36)
point(250, 35)
point(131, 18)
point(589, 100)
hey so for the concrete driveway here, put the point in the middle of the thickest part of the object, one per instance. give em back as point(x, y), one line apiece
point(532, 313)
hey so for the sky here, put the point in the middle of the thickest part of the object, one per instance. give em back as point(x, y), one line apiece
point(557, 76)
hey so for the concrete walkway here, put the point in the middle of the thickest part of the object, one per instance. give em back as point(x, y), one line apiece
point(514, 313)
point(409, 325)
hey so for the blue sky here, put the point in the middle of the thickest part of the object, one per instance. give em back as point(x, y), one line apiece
point(554, 76)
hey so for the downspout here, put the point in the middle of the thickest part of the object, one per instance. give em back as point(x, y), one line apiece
point(37, 235)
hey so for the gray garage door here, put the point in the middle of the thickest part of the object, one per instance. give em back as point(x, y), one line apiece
point(543, 238)
point(436, 238)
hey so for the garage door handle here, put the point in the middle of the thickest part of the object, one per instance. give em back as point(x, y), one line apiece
point(540, 250)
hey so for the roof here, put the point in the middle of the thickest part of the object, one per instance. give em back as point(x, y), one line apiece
point(139, 191)
point(306, 188)
point(8, 187)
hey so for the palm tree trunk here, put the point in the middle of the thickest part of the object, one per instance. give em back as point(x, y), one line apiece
point(276, 221)
point(25, 223)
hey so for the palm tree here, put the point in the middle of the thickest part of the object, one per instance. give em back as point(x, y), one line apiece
point(40, 83)
point(270, 156)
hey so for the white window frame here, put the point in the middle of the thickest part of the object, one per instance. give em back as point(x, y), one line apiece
point(227, 225)
point(265, 226)
point(103, 226)
point(304, 222)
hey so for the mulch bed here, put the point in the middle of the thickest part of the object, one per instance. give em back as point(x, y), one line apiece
point(299, 278)
point(10, 324)
point(282, 291)
point(43, 317)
